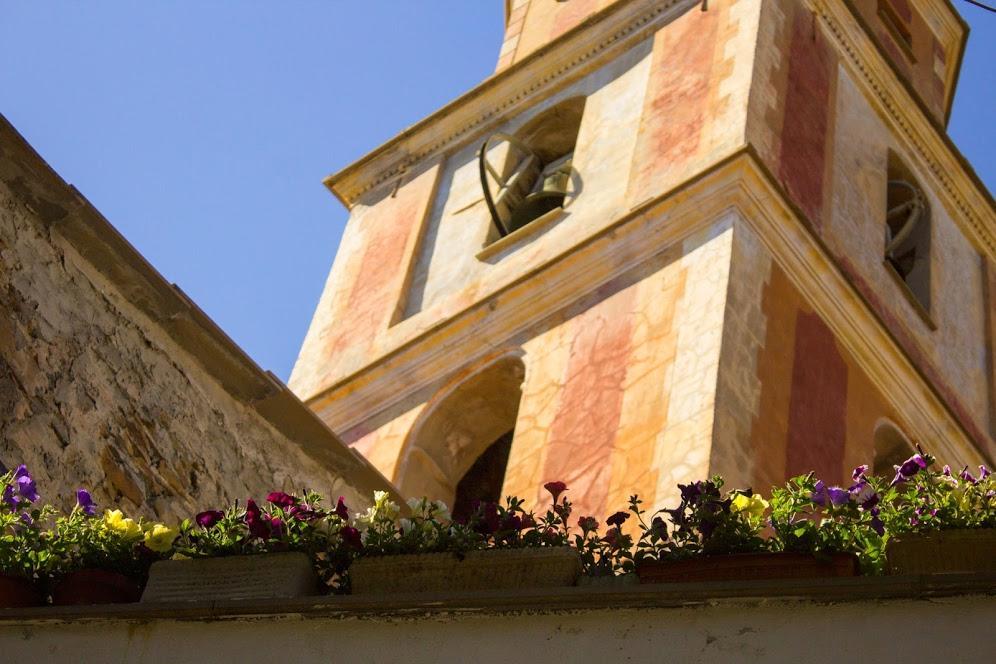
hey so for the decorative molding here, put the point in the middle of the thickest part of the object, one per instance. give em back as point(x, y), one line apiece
point(966, 200)
point(736, 184)
point(566, 59)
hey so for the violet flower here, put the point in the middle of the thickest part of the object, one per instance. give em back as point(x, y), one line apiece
point(822, 494)
point(910, 467)
point(351, 536)
point(967, 476)
point(859, 473)
point(983, 472)
point(10, 497)
point(876, 523)
point(85, 502)
point(864, 494)
point(25, 484)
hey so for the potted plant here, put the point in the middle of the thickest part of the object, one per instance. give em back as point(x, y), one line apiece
point(498, 547)
point(831, 530)
point(717, 537)
point(280, 549)
point(940, 522)
point(103, 559)
point(24, 555)
point(606, 560)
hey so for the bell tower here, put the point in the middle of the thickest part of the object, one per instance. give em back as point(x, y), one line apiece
point(666, 239)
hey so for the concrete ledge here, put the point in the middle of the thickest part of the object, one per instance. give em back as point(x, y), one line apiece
point(582, 598)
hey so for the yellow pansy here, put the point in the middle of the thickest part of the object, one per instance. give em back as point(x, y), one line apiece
point(116, 522)
point(753, 505)
point(160, 538)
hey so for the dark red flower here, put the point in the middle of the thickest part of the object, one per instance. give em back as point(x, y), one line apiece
point(528, 521)
point(281, 499)
point(513, 522)
point(351, 536)
point(208, 518)
point(258, 525)
point(276, 526)
point(341, 511)
point(555, 489)
point(488, 521)
point(588, 523)
point(617, 519)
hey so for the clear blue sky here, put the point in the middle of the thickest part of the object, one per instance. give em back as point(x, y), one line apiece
point(202, 130)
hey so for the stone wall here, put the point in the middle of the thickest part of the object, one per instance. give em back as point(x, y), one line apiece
point(95, 393)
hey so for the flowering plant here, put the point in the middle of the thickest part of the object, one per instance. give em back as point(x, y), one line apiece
point(609, 554)
point(808, 516)
point(113, 542)
point(23, 541)
point(283, 523)
point(921, 499)
point(429, 528)
point(705, 522)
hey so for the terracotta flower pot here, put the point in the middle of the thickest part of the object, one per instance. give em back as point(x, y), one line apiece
point(492, 569)
point(943, 551)
point(95, 586)
point(259, 576)
point(746, 567)
point(17, 592)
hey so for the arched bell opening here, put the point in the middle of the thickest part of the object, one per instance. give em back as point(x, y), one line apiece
point(907, 230)
point(526, 175)
point(458, 450)
point(892, 448)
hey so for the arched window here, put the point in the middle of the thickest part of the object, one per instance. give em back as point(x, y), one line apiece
point(535, 169)
point(892, 448)
point(907, 231)
point(458, 448)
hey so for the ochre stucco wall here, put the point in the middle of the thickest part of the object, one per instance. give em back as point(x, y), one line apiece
point(790, 399)
point(828, 147)
point(618, 391)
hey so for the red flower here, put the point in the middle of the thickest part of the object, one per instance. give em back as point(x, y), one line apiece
point(208, 518)
point(351, 536)
point(341, 511)
point(281, 499)
point(555, 489)
point(617, 519)
point(528, 521)
point(588, 523)
point(258, 525)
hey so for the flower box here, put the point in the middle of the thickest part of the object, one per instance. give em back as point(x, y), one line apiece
point(943, 551)
point(491, 569)
point(746, 567)
point(17, 592)
point(260, 576)
point(95, 586)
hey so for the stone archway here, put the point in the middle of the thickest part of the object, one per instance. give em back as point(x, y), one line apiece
point(459, 425)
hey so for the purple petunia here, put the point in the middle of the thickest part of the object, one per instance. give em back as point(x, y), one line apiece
point(859, 473)
point(10, 497)
point(85, 502)
point(864, 494)
point(822, 494)
point(25, 484)
point(967, 476)
point(281, 499)
point(910, 467)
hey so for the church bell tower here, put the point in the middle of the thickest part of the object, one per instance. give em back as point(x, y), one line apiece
point(668, 239)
